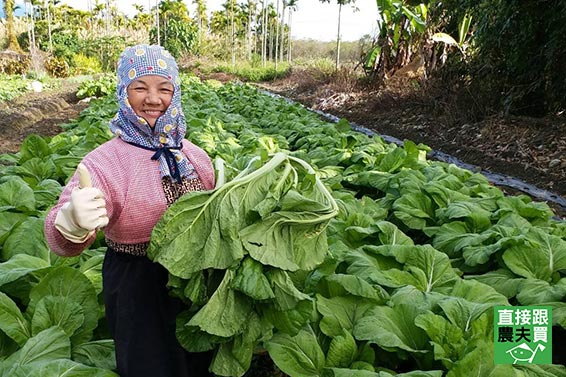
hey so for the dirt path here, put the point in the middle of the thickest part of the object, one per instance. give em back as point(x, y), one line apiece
point(37, 113)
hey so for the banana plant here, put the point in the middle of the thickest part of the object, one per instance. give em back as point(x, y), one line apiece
point(461, 43)
point(401, 23)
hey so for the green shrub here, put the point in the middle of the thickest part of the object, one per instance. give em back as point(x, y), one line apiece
point(86, 65)
point(100, 86)
point(249, 72)
point(516, 55)
point(180, 37)
point(65, 45)
point(106, 50)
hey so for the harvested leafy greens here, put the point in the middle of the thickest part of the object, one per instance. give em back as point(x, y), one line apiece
point(233, 253)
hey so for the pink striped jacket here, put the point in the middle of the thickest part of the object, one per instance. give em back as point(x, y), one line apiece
point(133, 191)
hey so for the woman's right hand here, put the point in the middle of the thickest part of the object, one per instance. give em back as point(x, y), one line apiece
point(78, 219)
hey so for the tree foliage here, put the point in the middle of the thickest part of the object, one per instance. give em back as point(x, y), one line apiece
point(519, 50)
point(509, 53)
point(176, 31)
point(9, 7)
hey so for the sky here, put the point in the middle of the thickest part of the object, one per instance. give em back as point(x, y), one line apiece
point(312, 19)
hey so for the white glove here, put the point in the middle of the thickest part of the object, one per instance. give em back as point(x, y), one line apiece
point(78, 219)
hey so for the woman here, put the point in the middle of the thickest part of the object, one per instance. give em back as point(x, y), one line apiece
point(126, 185)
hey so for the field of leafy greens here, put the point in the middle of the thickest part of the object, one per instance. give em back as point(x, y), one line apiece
point(405, 261)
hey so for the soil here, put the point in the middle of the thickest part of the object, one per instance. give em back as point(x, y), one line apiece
point(532, 150)
point(39, 113)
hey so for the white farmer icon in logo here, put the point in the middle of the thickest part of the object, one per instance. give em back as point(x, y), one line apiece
point(523, 352)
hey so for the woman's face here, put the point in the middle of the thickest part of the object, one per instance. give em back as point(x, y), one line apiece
point(150, 96)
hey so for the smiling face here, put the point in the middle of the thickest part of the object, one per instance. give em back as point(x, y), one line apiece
point(150, 96)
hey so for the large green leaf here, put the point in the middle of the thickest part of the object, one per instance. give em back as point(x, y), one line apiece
point(502, 280)
point(347, 372)
point(8, 221)
point(46, 193)
point(59, 368)
point(539, 257)
point(289, 321)
point(391, 235)
point(476, 218)
point(12, 321)
point(543, 370)
point(342, 372)
point(251, 280)
point(536, 292)
point(50, 344)
point(92, 269)
point(34, 146)
point(341, 313)
point(226, 313)
point(343, 284)
point(233, 358)
point(366, 262)
point(342, 351)
point(392, 160)
point(445, 190)
point(57, 311)
point(424, 268)
point(453, 237)
point(479, 362)
point(393, 328)
point(524, 206)
point(180, 238)
point(27, 238)
point(16, 194)
point(72, 288)
point(36, 170)
point(414, 210)
point(447, 339)
point(20, 265)
point(287, 296)
point(281, 241)
point(96, 353)
point(192, 338)
point(297, 356)
point(468, 300)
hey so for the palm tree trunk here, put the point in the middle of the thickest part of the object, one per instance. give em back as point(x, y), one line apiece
point(276, 35)
point(233, 33)
point(272, 21)
point(158, 23)
point(282, 32)
point(48, 5)
point(338, 36)
point(249, 39)
point(289, 35)
point(264, 35)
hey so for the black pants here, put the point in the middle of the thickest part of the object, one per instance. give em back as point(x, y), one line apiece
point(141, 319)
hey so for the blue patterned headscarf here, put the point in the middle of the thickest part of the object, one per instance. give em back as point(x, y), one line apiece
point(169, 130)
